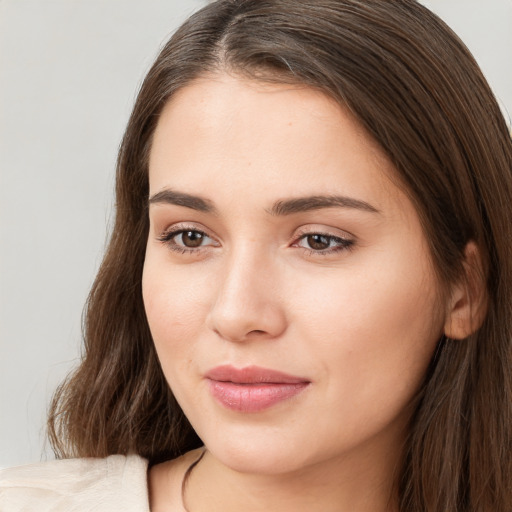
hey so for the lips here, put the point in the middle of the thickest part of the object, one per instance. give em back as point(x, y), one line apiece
point(252, 389)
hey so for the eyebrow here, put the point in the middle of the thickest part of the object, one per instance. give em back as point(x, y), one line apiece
point(169, 196)
point(305, 204)
point(281, 207)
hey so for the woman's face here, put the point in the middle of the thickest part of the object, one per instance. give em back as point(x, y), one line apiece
point(287, 280)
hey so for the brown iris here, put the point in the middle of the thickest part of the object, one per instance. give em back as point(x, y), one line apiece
point(318, 242)
point(192, 238)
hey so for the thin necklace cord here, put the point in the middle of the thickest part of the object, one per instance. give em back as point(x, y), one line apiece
point(186, 476)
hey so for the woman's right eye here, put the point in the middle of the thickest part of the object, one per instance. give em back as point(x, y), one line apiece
point(186, 240)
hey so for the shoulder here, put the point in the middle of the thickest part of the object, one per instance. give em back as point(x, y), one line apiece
point(114, 483)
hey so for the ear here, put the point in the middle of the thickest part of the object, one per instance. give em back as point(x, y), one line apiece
point(467, 305)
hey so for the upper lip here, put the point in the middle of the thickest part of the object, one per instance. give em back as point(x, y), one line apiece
point(252, 375)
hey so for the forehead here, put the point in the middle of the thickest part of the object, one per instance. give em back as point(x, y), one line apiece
point(273, 139)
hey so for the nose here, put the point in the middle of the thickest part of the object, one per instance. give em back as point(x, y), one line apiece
point(247, 304)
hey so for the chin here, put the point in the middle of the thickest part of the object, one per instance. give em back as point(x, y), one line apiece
point(257, 461)
point(262, 451)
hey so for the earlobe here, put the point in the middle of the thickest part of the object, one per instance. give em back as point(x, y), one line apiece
point(467, 305)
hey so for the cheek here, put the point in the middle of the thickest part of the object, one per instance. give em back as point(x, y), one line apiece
point(389, 301)
point(174, 306)
point(373, 332)
point(175, 302)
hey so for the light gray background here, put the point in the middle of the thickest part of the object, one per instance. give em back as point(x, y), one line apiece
point(69, 72)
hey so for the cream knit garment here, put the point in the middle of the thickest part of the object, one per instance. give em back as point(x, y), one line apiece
point(115, 483)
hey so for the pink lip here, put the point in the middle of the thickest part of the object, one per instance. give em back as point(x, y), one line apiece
point(252, 389)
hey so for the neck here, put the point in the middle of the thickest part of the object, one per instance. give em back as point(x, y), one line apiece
point(335, 485)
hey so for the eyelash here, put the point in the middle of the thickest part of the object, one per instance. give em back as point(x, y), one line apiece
point(344, 244)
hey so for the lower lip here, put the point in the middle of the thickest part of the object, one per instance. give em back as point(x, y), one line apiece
point(253, 397)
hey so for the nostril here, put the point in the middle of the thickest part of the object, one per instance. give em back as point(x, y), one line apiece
point(238, 321)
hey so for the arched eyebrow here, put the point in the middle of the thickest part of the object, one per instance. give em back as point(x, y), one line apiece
point(168, 196)
point(304, 204)
point(282, 207)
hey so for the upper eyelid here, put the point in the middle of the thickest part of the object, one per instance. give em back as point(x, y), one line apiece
point(185, 226)
point(332, 232)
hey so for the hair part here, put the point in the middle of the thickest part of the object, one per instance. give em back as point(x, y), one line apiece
point(417, 91)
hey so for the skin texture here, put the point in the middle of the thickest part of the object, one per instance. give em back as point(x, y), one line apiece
point(359, 320)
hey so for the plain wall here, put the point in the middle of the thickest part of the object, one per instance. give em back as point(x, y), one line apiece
point(69, 72)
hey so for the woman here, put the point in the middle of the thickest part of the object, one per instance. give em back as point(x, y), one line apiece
point(305, 304)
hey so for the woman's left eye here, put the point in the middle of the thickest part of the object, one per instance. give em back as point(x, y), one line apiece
point(321, 243)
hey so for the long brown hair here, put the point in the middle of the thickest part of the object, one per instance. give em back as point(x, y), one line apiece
point(418, 92)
